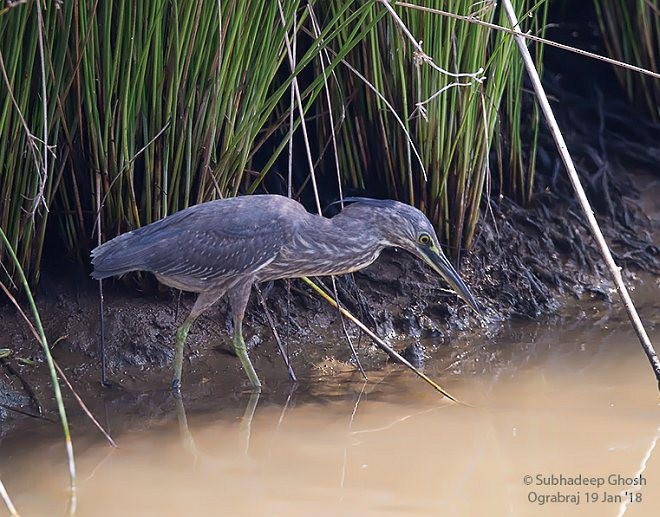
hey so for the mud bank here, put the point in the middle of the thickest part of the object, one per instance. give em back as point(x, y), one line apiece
point(527, 262)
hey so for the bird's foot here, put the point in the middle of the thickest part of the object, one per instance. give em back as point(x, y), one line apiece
point(112, 385)
point(255, 389)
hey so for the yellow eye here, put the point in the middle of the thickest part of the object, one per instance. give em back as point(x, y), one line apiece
point(424, 239)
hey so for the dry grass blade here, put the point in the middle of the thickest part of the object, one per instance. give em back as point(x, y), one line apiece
point(51, 369)
point(8, 503)
point(301, 110)
point(532, 37)
point(57, 367)
point(379, 342)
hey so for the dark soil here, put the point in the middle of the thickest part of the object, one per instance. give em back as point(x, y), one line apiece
point(526, 262)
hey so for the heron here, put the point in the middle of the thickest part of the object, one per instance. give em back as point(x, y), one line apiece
point(225, 246)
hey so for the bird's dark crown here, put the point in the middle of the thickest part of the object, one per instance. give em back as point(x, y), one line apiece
point(401, 223)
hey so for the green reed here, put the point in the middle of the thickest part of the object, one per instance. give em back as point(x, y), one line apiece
point(631, 32)
point(151, 106)
point(29, 173)
point(453, 131)
point(156, 105)
point(41, 335)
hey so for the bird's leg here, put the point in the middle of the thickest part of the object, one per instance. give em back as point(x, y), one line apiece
point(203, 302)
point(241, 353)
point(238, 298)
point(181, 335)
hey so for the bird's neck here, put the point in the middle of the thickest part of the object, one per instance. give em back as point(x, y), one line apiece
point(321, 247)
point(349, 244)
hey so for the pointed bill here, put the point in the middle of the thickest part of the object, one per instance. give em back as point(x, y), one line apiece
point(434, 257)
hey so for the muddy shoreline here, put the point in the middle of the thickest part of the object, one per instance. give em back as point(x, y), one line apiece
point(527, 262)
point(522, 267)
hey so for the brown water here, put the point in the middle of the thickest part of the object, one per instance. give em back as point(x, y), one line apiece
point(558, 402)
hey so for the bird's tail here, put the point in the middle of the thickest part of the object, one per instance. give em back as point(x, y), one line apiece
point(116, 257)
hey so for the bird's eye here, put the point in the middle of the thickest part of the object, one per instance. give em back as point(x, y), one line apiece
point(424, 239)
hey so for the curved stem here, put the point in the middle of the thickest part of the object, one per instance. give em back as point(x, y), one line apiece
point(51, 368)
point(615, 271)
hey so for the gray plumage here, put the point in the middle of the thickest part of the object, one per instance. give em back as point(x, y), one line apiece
point(267, 236)
point(227, 245)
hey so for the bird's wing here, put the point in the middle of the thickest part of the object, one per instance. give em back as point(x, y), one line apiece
point(216, 244)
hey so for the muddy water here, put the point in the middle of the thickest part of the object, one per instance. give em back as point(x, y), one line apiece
point(564, 421)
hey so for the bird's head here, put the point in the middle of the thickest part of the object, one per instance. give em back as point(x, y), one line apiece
point(404, 226)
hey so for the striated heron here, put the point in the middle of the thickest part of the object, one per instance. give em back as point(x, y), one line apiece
point(224, 246)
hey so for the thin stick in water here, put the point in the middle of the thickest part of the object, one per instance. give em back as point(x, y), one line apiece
point(615, 270)
point(104, 379)
point(380, 343)
point(269, 317)
point(7, 500)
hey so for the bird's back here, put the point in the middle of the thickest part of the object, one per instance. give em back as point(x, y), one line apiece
point(205, 242)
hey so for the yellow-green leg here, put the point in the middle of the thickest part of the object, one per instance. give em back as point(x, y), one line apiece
point(238, 298)
point(239, 295)
point(181, 335)
point(203, 302)
point(241, 353)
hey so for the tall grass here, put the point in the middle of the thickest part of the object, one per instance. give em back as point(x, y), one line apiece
point(27, 177)
point(173, 97)
point(156, 105)
point(631, 32)
point(453, 131)
point(152, 106)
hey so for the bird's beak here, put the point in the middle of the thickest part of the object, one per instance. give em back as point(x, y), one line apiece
point(435, 258)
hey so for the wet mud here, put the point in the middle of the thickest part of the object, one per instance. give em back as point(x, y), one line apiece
point(527, 262)
point(515, 271)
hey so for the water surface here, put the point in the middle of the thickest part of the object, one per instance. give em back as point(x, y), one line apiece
point(564, 420)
